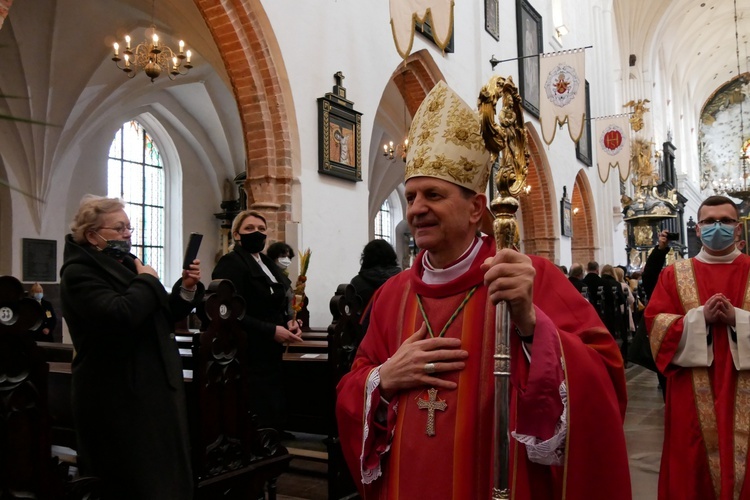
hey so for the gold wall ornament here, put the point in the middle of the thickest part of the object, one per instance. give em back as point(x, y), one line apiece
point(639, 109)
point(643, 235)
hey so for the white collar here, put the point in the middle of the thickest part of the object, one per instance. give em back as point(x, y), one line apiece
point(433, 276)
point(707, 258)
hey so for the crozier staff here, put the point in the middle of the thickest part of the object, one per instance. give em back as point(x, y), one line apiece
point(127, 390)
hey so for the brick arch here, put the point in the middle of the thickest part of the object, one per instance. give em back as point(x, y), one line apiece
point(248, 48)
point(415, 77)
point(584, 229)
point(538, 214)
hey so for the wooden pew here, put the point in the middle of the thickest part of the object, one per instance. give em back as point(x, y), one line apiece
point(232, 458)
point(27, 467)
point(312, 370)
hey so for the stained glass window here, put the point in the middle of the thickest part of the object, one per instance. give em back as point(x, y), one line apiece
point(383, 222)
point(136, 174)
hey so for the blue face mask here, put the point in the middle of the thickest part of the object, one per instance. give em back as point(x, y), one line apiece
point(38, 296)
point(718, 236)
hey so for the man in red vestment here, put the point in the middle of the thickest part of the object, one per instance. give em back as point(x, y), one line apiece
point(416, 412)
point(699, 328)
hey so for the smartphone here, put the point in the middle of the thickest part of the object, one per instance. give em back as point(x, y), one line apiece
point(191, 252)
point(673, 236)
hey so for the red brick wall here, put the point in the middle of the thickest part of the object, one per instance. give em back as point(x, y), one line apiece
point(238, 33)
point(582, 244)
point(540, 227)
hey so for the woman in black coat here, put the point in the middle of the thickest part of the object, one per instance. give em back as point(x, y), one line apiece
point(127, 387)
point(378, 265)
point(267, 321)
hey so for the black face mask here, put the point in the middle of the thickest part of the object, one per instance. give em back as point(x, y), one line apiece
point(253, 242)
point(116, 248)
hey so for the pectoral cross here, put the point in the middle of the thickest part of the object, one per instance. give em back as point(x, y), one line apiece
point(431, 405)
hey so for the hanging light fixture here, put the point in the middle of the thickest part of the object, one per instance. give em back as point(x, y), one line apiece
point(152, 57)
point(740, 191)
point(400, 149)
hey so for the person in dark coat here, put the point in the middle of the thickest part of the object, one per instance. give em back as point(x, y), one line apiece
point(128, 394)
point(49, 321)
point(282, 254)
point(595, 285)
point(378, 264)
point(575, 277)
point(267, 321)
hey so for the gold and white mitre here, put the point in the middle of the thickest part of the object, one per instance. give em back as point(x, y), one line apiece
point(446, 142)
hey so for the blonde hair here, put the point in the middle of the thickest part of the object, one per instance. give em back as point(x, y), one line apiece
point(608, 271)
point(89, 214)
point(619, 274)
point(240, 218)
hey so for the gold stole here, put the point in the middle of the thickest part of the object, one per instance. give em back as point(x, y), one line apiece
point(702, 392)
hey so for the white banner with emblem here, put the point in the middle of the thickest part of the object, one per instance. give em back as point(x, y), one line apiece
point(563, 93)
point(613, 146)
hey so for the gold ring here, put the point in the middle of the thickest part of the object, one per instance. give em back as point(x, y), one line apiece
point(429, 367)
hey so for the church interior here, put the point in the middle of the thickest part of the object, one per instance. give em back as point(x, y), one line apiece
point(303, 119)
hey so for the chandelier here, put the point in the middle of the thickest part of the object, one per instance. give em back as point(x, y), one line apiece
point(152, 57)
point(400, 150)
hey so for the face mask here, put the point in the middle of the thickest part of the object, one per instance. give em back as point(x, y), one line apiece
point(283, 262)
point(718, 237)
point(116, 248)
point(253, 242)
point(38, 296)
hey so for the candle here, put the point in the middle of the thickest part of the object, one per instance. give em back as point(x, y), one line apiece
point(182, 46)
point(127, 41)
point(174, 63)
point(117, 48)
point(156, 39)
point(189, 54)
point(127, 61)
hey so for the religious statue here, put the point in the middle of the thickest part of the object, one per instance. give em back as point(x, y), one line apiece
point(639, 109)
point(640, 164)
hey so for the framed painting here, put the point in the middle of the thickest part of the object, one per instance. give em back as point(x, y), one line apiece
point(583, 146)
point(566, 222)
point(39, 260)
point(529, 29)
point(340, 140)
point(492, 18)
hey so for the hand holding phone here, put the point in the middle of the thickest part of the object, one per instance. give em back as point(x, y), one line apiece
point(191, 252)
point(673, 236)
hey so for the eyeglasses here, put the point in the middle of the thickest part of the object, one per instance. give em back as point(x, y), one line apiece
point(120, 228)
point(711, 222)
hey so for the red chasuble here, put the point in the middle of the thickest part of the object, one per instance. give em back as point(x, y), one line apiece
point(707, 412)
point(401, 461)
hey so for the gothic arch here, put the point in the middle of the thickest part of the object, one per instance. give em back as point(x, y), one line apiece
point(584, 221)
point(538, 213)
point(248, 48)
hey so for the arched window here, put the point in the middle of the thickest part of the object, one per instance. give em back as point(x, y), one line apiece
point(383, 227)
point(136, 174)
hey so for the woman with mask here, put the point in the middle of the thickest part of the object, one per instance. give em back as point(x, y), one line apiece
point(49, 321)
point(128, 394)
point(282, 254)
point(267, 321)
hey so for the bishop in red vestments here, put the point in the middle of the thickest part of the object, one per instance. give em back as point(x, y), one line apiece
point(416, 411)
point(699, 327)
